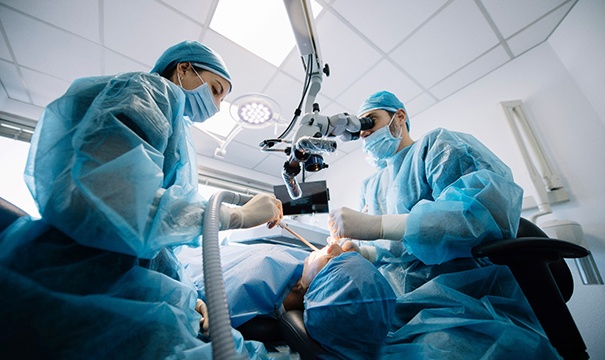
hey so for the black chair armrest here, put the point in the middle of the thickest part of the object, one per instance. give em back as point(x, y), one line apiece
point(263, 329)
point(528, 248)
point(531, 261)
point(292, 326)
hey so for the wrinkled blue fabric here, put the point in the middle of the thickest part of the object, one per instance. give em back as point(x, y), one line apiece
point(257, 277)
point(462, 309)
point(112, 165)
point(457, 194)
point(63, 300)
point(456, 191)
point(349, 296)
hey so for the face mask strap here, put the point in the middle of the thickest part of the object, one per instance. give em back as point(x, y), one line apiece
point(198, 75)
point(400, 128)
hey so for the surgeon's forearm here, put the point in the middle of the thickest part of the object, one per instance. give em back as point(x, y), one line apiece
point(393, 226)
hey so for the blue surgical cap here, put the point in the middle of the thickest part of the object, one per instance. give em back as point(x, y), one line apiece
point(349, 307)
point(194, 52)
point(383, 100)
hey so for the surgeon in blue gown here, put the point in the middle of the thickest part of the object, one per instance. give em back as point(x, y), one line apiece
point(428, 204)
point(114, 174)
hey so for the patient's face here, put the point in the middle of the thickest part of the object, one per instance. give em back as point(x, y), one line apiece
point(317, 260)
point(313, 265)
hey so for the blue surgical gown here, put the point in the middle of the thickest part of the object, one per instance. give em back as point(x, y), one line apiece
point(457, 194)
point(114, 175)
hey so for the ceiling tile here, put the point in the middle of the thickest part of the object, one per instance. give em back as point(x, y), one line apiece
point(454, 37)
point(11, 82)
point(21, 109)
point(249, 73)
point(43, 88)
point(142, 29)
point(116, 63)
point(538, 32)
point(512, 15)
point(418, 105)
point(85, 23)
point(473, 71)
point(244, 155)
point(66, 56)
point(441, 44)
point(391, 22)
point(383, 76)
point(204, 144)
point(198, 10)
point(4, 51)
point(345, 58)
point(293, 64)
point(287, 92)
point(271, 165)
point(3, 94)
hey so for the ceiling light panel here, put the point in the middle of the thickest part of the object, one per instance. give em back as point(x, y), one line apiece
point(261, 27)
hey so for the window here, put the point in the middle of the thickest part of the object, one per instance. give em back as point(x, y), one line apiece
point(13, 156)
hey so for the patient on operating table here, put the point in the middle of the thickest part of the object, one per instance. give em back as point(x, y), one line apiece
point(338, 291)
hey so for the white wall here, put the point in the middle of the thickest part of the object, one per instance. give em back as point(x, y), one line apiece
point(561, 84)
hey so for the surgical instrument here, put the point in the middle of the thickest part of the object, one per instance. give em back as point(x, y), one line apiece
point(285, 227)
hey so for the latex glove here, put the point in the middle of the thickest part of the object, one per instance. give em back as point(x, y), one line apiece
point(368, 252)
point(348, 223)
point(201, 308)
point(262, 208)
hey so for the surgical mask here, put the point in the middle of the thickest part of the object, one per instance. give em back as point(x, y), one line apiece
point(199, 102)
point(381, 145)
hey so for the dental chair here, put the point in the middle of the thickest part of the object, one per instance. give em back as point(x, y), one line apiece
point(538, 264)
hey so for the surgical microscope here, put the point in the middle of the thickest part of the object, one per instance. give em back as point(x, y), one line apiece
point(315, 132)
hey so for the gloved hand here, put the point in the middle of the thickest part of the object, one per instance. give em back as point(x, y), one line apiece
point(262, 208)
point(368, 252)
point(348, 223)
point(201, 308)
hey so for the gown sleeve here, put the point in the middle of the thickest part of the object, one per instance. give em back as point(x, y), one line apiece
point(475, 200)
point(111, 165)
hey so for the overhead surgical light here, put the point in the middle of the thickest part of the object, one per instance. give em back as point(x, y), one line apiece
point(251, 111)
point(254, 111)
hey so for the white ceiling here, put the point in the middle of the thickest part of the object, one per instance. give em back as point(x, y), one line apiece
point(422, 50)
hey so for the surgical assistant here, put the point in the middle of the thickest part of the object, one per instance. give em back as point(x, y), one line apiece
point(435, 199)
point(114, 174)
